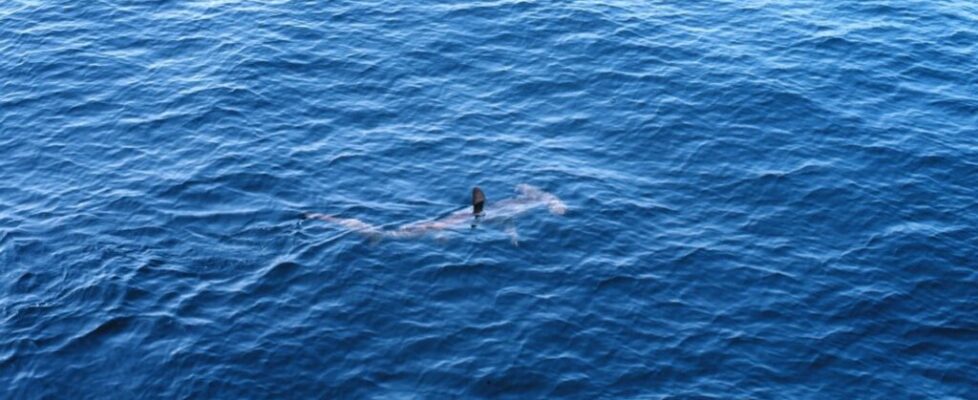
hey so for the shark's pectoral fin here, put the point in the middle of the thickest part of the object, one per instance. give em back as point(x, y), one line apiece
point(514, 236)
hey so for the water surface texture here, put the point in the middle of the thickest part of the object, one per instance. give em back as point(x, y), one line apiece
point(765, 199)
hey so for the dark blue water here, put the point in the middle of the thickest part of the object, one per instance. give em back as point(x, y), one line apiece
point(766, 199)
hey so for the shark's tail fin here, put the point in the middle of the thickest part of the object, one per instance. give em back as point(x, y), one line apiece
point(353, 224)
point(478, 200)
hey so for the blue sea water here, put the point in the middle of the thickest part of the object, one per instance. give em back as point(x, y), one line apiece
point(766, 199)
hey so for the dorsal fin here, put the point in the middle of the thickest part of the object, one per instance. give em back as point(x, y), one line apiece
point(478, 200)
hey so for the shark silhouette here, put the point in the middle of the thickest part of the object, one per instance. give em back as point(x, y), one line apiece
point(529, 198)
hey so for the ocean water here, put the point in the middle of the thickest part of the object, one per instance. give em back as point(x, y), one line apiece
point(766, 200)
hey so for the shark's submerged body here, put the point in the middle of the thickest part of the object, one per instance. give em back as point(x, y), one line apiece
point(503, 211)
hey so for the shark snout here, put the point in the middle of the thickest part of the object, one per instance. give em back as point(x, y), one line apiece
point(556, 206)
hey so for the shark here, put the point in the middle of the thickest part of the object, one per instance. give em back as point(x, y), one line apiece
point(529, 198)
